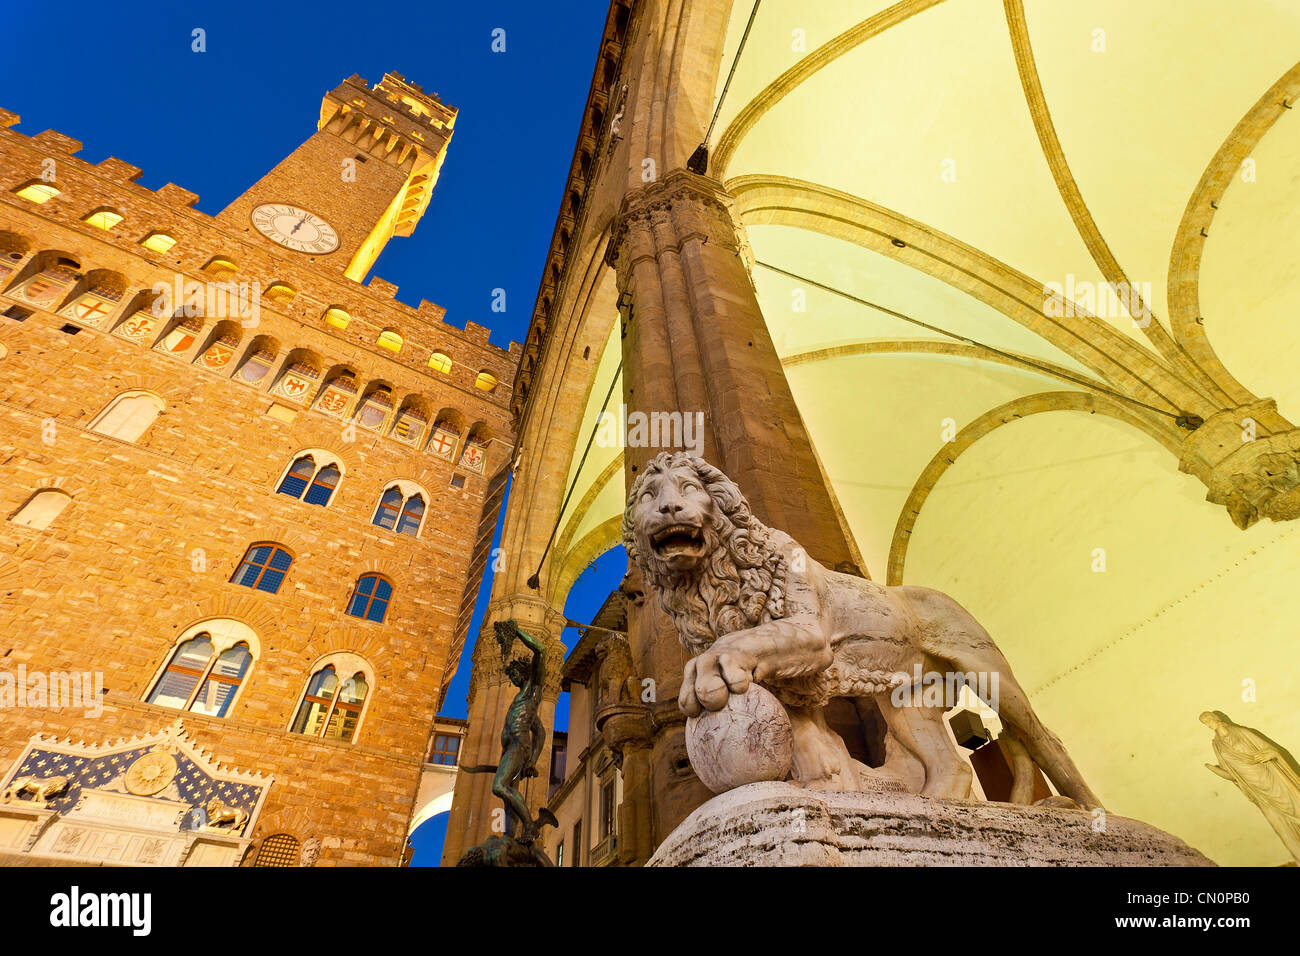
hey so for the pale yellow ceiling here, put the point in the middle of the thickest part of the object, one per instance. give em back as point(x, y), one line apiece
point(1119, 663)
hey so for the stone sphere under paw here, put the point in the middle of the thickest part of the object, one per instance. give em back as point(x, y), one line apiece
point(747, 741)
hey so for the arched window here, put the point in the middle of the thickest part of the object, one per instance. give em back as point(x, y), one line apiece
point(331, 708)
point(390, 507)
point(202, 678)
point(412, 515)
point(485, 381)
point(263, 568)
point(338, 318)
point(37, 192)
point(298, 477)
point(221, 268)
point(103, 219)
point(42, 508)
point(322, 486)
point(158, 242)
point(279, 849)
point(370, 598)
point(280, 293)
point(128, 416)
point(304, 475)
point(439, 362)
point(388, 339)
point(400, 510)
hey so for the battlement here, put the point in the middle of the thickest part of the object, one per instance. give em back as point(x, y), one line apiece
point(110, 185)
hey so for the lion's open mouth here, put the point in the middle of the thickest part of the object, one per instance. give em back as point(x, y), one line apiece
point(677, 539)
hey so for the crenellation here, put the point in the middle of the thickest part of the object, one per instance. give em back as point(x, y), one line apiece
point(119, 170)
point(173, 195)
point(54, 141)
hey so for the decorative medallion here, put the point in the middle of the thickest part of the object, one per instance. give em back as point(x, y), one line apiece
point(94, 307)
point(140, 327)
point(409, 427)
point(337, 397)
point(472, 457)
point(297, 382)
point(219, 353)
point(151, 773)
point(44, 289)
point(181, 337)
point(443, 443)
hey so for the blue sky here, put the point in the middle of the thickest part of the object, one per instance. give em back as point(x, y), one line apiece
point(124, 80)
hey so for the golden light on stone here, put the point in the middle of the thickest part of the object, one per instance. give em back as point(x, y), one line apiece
point(158, 242)
point(103, 219)
point(38, 193)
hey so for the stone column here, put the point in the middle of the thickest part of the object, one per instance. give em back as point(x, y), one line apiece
point(695, 340)
point(490, 695)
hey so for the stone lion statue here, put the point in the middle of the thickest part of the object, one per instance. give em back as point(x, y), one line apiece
point(751, 606)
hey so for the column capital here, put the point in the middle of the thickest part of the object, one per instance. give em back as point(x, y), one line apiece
point(695, 206)
point(532, 615)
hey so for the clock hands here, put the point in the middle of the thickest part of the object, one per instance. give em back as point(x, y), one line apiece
point(299, 225)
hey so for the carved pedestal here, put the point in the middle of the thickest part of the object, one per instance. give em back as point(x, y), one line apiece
point(778, 824)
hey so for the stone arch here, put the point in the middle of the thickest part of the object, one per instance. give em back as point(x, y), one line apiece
point(41, 508)
point(1189, 240)
point(257, 365)
point(384, 567)
point(14, 247)
point(301, 364)
point(823, 56)
point(995, 418)
point(604, 537)
point(128, 415)
point(776, 200)
point(439, 802)
point(109, 280)
point(217, 352)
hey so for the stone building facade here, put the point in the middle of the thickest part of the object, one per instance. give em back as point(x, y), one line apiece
point(259, 509)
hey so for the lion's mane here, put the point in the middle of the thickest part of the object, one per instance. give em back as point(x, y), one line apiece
point(742, 581)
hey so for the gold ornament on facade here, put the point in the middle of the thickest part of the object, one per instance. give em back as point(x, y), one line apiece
point(151, 773)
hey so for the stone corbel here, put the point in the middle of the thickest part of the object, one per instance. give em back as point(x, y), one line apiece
point(1252, 477)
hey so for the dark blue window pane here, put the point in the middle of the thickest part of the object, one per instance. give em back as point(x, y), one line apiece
point(382, 590)
point(296, 480)
point(322, 489)
point(378, 608)
point(281, 560)
point(389, 506)
point(292, 485)
point(358, 606)
point(271, 581)
point(409, 523)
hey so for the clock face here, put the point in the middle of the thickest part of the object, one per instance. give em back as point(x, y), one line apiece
point(295, 228)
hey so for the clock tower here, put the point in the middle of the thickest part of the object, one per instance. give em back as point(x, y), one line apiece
point(365, 176)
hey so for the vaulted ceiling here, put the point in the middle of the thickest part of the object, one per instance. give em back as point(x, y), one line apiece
point(1017, 146)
